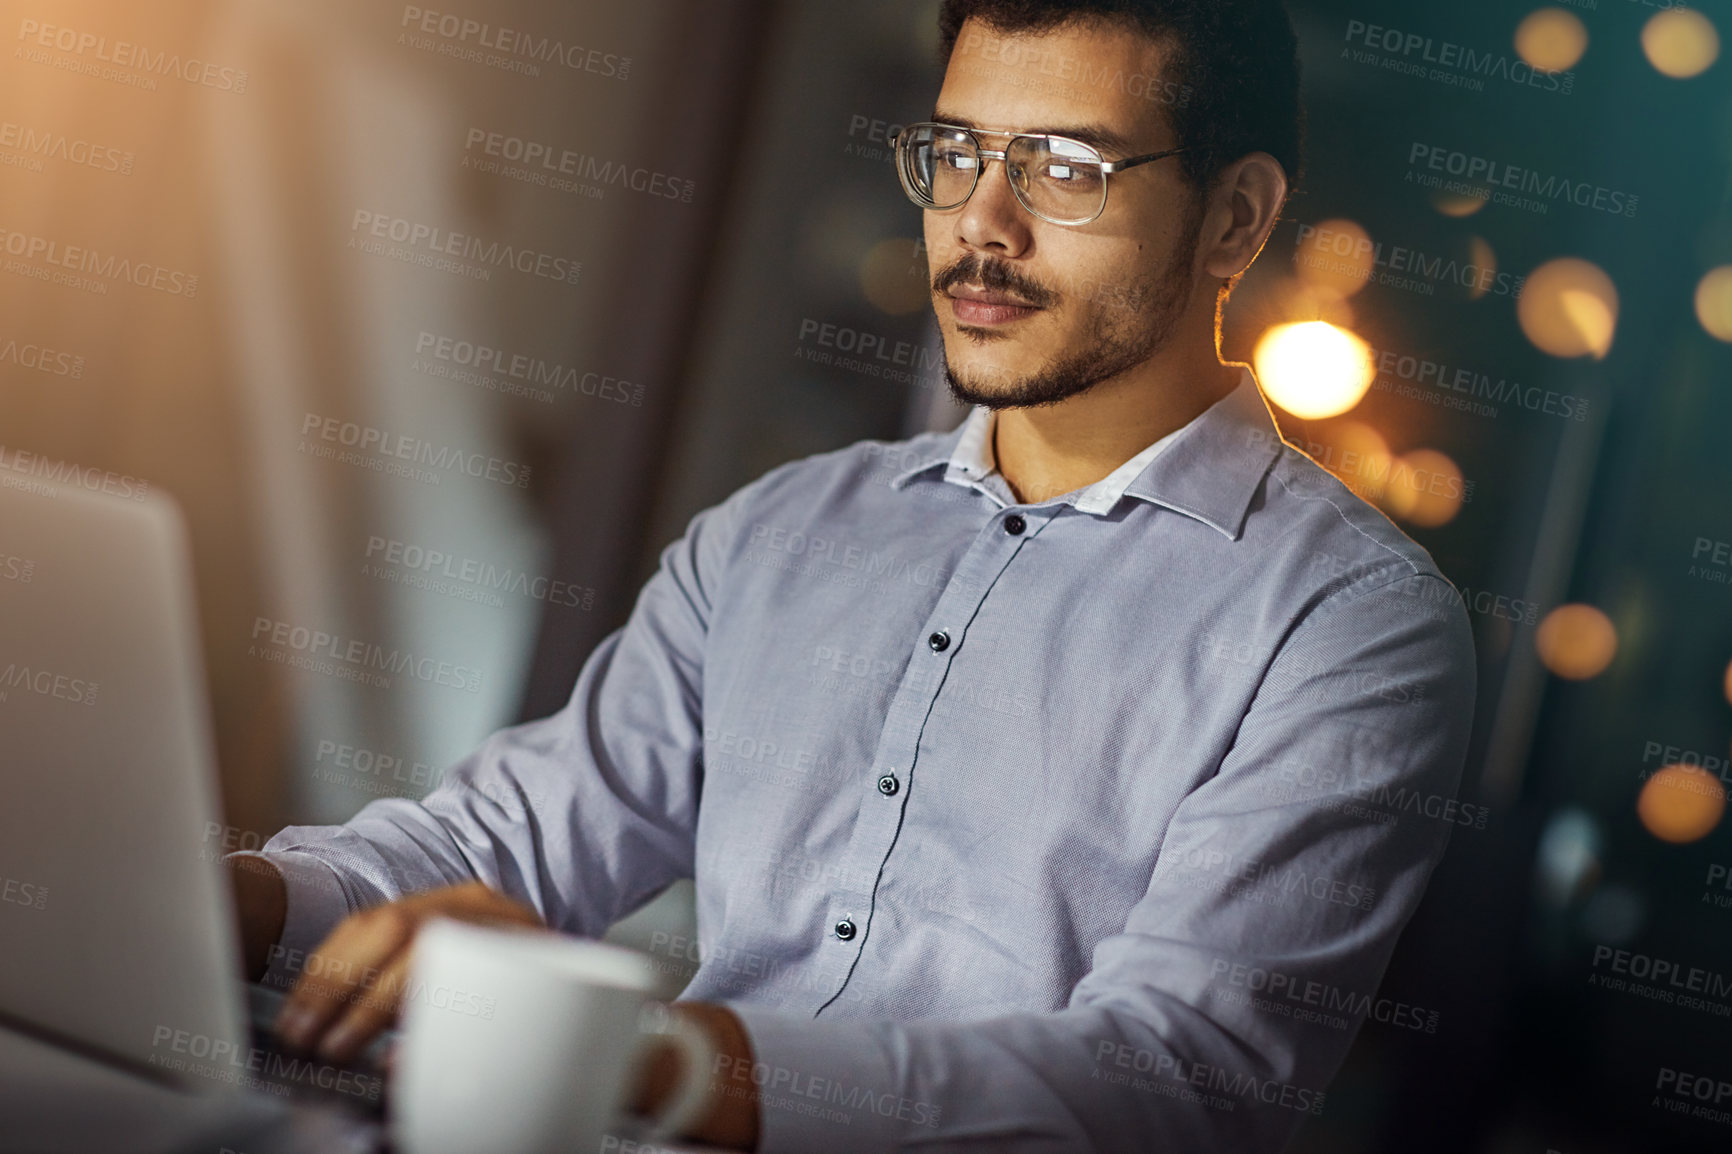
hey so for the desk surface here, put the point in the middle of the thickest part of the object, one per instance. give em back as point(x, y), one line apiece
point(53, 1101)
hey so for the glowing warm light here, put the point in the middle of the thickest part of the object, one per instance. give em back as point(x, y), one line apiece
point(1681, 43)
point(1728, 685)
point(1313, 369)
point(1360, 458)
point(1484, 257)
point(1569, 308)
point(1457, 204)
point(1300, 301)
point(1576, 641)
point(1336, 255)
point(1552, 39)
point(1425, 488)
point(1714, 302)
point(894, 278)
point(1681, 803)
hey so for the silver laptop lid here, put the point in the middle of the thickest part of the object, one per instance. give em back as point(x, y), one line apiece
point(115, 928)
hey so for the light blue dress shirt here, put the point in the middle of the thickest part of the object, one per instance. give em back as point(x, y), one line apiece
point(1083, 824)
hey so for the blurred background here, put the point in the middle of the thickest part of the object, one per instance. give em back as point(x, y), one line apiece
point(440, 323)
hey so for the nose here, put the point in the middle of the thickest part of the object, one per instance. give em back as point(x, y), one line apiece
point(993, 220)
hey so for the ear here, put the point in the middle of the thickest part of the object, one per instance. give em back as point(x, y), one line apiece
point(1243, 208)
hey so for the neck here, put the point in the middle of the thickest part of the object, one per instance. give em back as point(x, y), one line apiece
point(1043, 452)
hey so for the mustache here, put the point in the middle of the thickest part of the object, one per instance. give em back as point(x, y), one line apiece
point(996, 276)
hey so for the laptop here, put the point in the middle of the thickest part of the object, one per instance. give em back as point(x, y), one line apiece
point(117, 933)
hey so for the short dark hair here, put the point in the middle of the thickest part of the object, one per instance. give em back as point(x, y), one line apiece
point(1236, 60)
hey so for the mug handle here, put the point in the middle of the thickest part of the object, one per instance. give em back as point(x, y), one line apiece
point(698, 1054)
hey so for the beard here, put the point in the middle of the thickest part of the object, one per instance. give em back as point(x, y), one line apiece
point(1127, 324)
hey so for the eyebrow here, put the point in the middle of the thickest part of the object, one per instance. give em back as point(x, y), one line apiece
point(1098, 135)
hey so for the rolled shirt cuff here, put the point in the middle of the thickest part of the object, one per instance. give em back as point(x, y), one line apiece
point(828, 1086)
point(314, 905)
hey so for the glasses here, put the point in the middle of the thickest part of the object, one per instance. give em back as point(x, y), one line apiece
point(1060, 180)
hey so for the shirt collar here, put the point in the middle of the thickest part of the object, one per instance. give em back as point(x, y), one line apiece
point(1208, 469)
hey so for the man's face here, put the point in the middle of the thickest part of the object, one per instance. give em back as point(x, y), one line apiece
point(1034, 312)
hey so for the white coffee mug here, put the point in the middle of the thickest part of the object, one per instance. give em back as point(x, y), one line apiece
point(519, 1042)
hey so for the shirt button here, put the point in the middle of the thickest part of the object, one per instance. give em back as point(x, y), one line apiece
point(1014, 525)
point(939, 641)
point(888, 785)
point(845, 929)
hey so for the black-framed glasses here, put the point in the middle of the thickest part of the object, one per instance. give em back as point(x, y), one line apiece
point(1060, 180)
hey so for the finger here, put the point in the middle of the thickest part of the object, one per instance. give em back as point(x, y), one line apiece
point(368, 1012)
point(354, 955)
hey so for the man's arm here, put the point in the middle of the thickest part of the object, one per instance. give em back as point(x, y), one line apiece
point(1304, 857)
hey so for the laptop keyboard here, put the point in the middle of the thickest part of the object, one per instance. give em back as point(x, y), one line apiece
point(357, 1086)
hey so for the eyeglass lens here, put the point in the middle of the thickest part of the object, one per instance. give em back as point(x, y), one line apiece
point(1054, 178)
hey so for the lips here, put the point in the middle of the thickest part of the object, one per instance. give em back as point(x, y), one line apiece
point(984, 307)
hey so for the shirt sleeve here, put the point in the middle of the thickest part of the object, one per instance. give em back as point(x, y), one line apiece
point(583, 815)
point(1275, 902)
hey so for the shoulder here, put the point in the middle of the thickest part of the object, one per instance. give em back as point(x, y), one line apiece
point(1310, 515)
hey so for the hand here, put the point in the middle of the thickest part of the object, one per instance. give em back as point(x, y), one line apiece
point(353, 982)
point(733, 1117)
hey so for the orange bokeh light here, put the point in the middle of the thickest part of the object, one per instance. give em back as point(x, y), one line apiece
point(1552, 39)
point(1425, 488)
point(1569, 308)
point(1681, 43)
point(1576, 641)
point(1681, 803)
point(1337, 255)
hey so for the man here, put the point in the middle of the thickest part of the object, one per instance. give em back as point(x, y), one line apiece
point(1032, 774)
